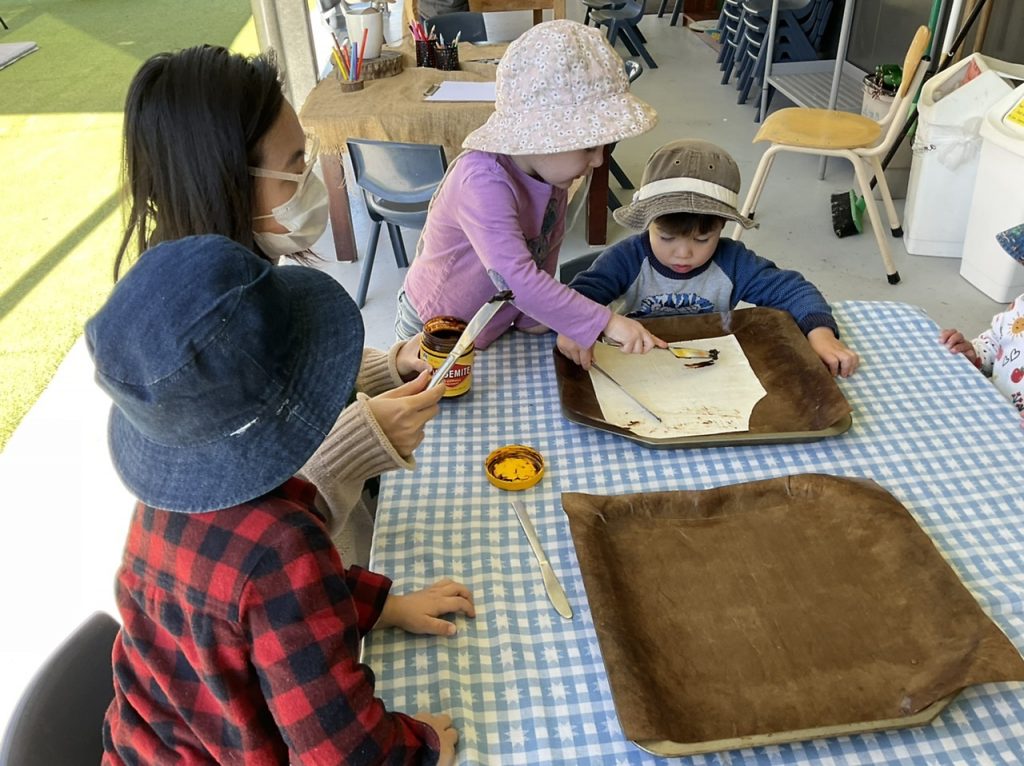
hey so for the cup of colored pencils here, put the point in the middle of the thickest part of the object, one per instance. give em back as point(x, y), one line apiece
point(424, 45)
point(348, 63)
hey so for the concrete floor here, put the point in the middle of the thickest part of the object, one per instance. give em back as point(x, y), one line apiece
point(65, 513)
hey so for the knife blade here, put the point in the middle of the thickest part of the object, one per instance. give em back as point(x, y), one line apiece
point(556, 594)
point(476, 324)
point(594, 366)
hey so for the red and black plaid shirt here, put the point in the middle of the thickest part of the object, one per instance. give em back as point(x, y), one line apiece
point(241, 644)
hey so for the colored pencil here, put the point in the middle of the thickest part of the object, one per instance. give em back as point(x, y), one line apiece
point(353, 65)
point(362, 53)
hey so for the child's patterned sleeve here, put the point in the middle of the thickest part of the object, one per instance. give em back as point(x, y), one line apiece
point(986, 345)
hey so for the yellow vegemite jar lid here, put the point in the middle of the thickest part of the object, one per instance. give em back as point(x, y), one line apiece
point(514, 466)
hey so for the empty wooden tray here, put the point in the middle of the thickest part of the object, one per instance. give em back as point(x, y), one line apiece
point(803, 402)
point(775, 611)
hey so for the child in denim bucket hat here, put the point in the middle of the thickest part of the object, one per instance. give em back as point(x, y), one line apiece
point(680, 263)
point(241, 627)
point(498, 218)
point(999, 351)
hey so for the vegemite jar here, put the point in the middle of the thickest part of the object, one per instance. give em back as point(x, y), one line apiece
point(440, 335)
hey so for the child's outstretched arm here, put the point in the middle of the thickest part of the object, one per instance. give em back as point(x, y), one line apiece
point(420, 611)
point(836, 355)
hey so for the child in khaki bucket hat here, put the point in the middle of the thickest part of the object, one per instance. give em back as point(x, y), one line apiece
point(681, 263)
point(498, 218)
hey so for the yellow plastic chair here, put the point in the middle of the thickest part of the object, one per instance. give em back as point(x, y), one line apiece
point(859, 139)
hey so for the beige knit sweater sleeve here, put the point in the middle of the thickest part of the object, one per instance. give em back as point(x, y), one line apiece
point(379, 370)
point(354, 450)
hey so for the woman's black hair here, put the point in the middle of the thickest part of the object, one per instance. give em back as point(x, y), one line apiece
point(192, 124)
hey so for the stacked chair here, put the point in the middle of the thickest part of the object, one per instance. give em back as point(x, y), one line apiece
point(623, 20)
point(799, 33)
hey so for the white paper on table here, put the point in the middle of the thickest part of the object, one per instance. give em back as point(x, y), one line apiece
point(690, 401)
point(457, 90)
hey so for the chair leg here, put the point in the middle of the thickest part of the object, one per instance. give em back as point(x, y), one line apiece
point(675, 13)
point(756, 187)
point(860, 168)
point(662, 8)
point(398, 246)
point(631, 33)
point(890, 209)
point(364, 276)
point(620, 175)
point(613, 201)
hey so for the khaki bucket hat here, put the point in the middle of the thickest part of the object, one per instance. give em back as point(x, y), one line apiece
point(560, 87)
point(686, 176)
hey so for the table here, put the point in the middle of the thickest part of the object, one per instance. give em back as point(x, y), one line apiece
point(393, 109)
point(537, 6)
point(527, 687)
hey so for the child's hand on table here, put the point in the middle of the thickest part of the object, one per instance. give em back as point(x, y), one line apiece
point(421, 610)
point(628, 334)
point(408, 359)
point(839, 359)
point(447, 735)
point(955, 341)
point(402, 412)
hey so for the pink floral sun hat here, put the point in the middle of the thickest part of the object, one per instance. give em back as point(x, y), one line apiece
point(560, 87)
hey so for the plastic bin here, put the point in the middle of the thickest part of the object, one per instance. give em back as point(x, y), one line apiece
point(998, 201)
point(946, 150)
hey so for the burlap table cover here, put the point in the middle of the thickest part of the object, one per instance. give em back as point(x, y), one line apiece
point(775, 606)
point(393, 109)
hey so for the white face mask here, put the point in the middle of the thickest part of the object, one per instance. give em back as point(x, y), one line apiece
point(304, 214)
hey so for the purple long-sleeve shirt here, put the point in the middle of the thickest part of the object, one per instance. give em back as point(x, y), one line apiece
point(491, 227)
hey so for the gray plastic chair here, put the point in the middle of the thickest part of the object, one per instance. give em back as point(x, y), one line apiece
point(469, 25)
point(572, 267)
point(397, 181)
point(633, 70)
point(59, 717)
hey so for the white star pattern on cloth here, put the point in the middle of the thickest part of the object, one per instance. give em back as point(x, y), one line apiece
point(558, 691)
point(511, 695)
point(423, 700)
point(508, 657)
point(468, 731)
point(544, 621)
point(501, 620)
point(498, 591)
point(494, 537)
point(516, 736)
point(551, 655)
point(565, 732)
point(464, 660)
point(421, 663)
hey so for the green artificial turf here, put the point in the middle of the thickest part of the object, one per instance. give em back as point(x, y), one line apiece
point(60, 143)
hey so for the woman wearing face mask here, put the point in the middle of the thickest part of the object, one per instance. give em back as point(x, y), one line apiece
point(212, 147)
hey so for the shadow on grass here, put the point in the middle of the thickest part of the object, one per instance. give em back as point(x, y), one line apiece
point(24, 284)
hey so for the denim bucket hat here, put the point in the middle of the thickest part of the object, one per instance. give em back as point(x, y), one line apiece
point(226, 372)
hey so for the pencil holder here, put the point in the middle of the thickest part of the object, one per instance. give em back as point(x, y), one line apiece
point(349, 86)
point(425, 53)
point(446, 57)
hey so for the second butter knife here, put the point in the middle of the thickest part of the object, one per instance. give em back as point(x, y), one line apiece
point(554, 588)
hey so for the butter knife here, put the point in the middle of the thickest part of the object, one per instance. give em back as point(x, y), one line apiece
point(476, 324)
point(554, 588)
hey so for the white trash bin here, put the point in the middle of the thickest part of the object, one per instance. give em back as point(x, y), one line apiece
point(946, 150)
point(998, 201)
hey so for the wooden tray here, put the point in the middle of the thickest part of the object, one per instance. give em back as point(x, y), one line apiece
point(776, 610)
point(803, 402)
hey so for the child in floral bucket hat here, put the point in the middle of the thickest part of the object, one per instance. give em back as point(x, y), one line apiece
point(498, 218)
point(999, 351)
point(680, 263)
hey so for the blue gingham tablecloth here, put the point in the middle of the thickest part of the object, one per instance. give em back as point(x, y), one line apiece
point(525, 686)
